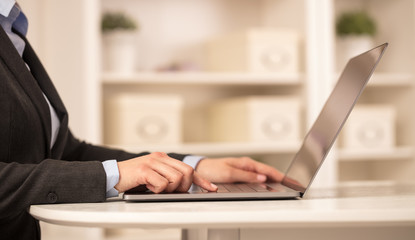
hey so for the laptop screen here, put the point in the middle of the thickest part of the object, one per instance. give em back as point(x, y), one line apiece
point(328, 124)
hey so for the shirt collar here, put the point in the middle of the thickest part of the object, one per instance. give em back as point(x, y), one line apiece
point(6, 6)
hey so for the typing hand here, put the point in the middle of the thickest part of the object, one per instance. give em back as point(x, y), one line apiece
point(159, 173)
point(244, 169)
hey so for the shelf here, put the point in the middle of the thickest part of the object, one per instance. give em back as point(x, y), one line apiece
point(390, 80)
point(398, 153)
point(206, 78)
point(238, 78)
point(220, 149)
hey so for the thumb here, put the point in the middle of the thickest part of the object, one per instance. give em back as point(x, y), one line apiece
point(204, 183)
point(239, 175)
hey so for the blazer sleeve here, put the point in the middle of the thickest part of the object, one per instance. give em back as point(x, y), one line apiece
point(50, 181)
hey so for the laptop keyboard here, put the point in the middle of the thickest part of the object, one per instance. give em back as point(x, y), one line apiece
point(244, 187)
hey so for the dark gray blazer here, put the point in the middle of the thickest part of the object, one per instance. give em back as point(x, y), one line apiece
point(31, 173)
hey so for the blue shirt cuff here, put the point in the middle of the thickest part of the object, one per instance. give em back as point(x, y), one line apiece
point(113, 176)
point(193, 160)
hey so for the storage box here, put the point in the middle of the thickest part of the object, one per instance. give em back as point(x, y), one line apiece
point(370, 127)
point(143, 119)
point(256, 119)
point(255, 50)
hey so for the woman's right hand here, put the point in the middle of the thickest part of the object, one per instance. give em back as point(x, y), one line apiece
point(159, 173)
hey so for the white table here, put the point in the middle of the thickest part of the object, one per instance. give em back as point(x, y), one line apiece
point(381, 212)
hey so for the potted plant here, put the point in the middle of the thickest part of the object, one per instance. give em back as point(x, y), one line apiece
point(355, 31)
point(119, 32)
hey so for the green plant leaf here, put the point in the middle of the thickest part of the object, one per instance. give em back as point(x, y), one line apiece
point(355, 23)
point(117, 20)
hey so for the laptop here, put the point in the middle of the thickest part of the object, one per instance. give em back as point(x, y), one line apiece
point(314, 149)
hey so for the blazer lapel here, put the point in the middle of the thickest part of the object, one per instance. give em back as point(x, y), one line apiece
point(43, 79)
point(19, 69)
point(49, 90)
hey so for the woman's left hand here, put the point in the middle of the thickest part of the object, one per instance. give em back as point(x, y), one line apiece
point(243, 169)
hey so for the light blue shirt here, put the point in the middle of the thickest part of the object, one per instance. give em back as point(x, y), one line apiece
point(6, 6)
point(12, 17)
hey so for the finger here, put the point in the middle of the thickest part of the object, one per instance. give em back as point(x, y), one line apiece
point(186, 171)
point(249, 164)
point(155, 182)
point(204, 183)
point(240, 175)
point(271, 173)
point(173, 176)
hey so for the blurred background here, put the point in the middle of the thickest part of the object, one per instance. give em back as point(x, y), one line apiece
point(231, 78)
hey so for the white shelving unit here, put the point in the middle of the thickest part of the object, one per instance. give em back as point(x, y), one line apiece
point(312, 84)
point(314, 20)
point(200, 88)
point(393, 84)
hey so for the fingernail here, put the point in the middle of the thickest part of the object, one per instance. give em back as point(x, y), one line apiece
point(213, 186)
point(261, 177)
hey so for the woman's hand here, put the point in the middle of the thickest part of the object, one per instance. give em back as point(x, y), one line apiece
point(243, 169)
point(159, 173)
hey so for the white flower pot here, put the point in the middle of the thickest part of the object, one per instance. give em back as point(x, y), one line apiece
point(119, 51)
point(351, 46)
